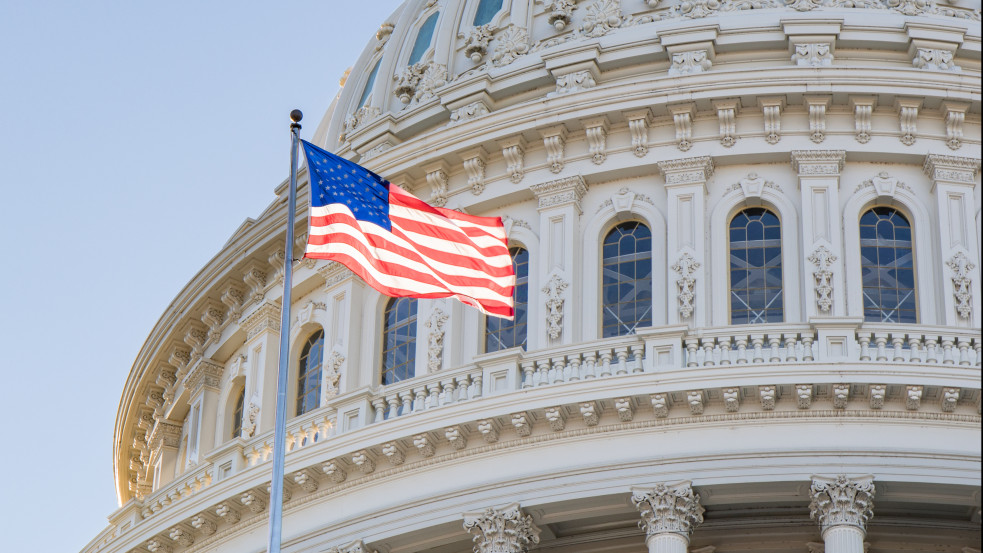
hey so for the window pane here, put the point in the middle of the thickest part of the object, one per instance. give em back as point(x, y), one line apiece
point(486, 11)
point(309, 373)
point(504, 334)
point(399, 356)
point(423, 38)
point(756, 267)
point(887, 266)
point(626, 279)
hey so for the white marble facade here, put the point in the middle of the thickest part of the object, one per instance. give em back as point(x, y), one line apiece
point(690, 433)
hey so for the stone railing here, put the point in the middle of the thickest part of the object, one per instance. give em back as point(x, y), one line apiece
point(601, 359)
point(427, 392)
point(907, 344)
point(736, 345)
point(303, 431)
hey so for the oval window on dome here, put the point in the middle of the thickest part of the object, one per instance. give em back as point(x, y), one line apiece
point(369, 84)
point(755, 267)
point(423, 38)
point(626, 284)
point(486, 11)
point(887, 267)
point(502, 333)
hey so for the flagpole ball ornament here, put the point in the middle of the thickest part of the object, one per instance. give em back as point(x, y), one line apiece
point(296, 115)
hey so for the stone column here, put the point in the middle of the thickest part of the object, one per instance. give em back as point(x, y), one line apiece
point(560, 265)
point(953, 180)
point(670, 513)
point(823, 284)
point(203, 384)
point(505, 530)
point(686, 237)
point(842, 506)
point(262, 327)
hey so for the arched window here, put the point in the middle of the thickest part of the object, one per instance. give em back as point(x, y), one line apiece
point(626, 285)
point(369, 84)
point(502, 333)
point(755, 267)
point(399, 341)
point(887, 266)
point(423, 38)
point(237, 414)
point(486, 11)
point(309, 375)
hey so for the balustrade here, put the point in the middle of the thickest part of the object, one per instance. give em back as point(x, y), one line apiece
point(908, 344)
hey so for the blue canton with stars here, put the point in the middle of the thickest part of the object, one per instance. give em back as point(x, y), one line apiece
point(335, 180)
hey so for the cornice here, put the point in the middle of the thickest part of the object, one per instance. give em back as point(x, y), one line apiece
point(818, 162)
point(951, 168)
point(689, 170)
point(265, 318)
point(205, 374)
point(559, 192)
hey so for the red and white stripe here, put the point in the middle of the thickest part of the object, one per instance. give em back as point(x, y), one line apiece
point(431, 252)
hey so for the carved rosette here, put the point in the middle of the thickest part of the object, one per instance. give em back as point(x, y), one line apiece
point(435, 339)
point(962, 283)
point(842, 501)
point(823, 259)
point(686, 267)
point(602, 17)
point(668, 509)
point(554, 305)
point(511, 43)
point(505, 530)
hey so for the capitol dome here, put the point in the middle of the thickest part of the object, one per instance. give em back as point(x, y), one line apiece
point(747, 241)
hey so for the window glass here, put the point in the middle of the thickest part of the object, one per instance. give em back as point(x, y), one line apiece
point(399, 341)
point(309, 375)
point(887, 268)
point(237, 414)
point(423, 38)
point(755, 267)
point(626, 283)
point(502, 333)
point(368, 85)
point(486, 11)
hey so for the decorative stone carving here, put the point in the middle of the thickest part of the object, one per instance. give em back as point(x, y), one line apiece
point(510, 44)
point(842, 501)
point(823, 259)
point(689, 63)
point(597, 134)
point(560, 192)
point(228, 513)
point(883, 184)
point(554, 305)
point(394, 453)
point(727, 117)
point(732, 399)
point(695, 400)
point(334, 273)
point(418, 82)
point(276, 259)
point(817, 117)
point(753, 186)
point(469, 112)
point(803, 395)
point(878, 393)
point(574, 82)
point(955, 116)
point(334, 472)
point(697, 9)
point(265, 318)
point(772, 110)
point(556, 418)
point(206, 373)
point(950, 396)
point(157, 545)
point(818, 162)
point(363, 462)
point(306, 314)
point(253, 501)
point(623, 201)
point(306, 480)
point(950, 168)
point(660, 405)
point(686, 267)
point(841, 394)
point(863, 108)
point(361, 116)
point(474, 167)
point(560, 14)
point(521, 423)
point(907, 117)
point(638, 127)
point(357, 546)
point(488, 431)
point(962, 283)
point(181, 536)
point(668, 508)
point(455, 436)
point(505, 530)
point(376, 150)
point(513, 151)
point(682, 118)
point(934, 59)
point(913, 397)
point(332, 374)
point(602, 16)
point(591, 411)
point(623, 406)
point(250, 420)
point(437, 179)
point(911, 7)
point(768, 395)
point(476, 44)
point(813, 54)
point(435, 339)
point(554, 140)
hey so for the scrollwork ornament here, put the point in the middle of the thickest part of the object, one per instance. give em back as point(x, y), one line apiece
point(554, 305)
point(686, 267)
point(823, 259)
point(962, 283)
point(435, 340)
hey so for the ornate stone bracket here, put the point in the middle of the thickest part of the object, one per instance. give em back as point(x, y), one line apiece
point(813, 54)
point(597, 133)
point(727, 117)
point(863, 108)
point(842, 501)
point(686, 284)
point(907, 118)
point(474, 166)
point(682, 118)
point(513, 150)
point(561, 11)
point(690, 63)
point(668, 508)
point(823, 259)
point(772, 110)
point(554, 305)
point(638, 127)
point(554, 140)
point(962, 283)
point(505, 530)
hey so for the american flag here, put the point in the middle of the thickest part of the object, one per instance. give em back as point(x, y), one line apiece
point(402, 246)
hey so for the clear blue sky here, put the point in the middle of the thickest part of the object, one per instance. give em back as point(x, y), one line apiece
point(134, 138)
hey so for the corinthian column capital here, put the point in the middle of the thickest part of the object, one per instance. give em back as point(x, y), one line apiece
point(505, 530)
point(668, 509)
point(842, 501)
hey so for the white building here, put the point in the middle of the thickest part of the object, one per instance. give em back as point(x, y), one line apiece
point(748, 242)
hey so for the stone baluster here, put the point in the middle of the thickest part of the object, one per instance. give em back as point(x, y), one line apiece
point(433, 398)
point(842, 507)
point(379, 408)
point(708, 352)
point(407, 399)
point(758, 340)
point(449, 388)
point(790, 342)
point(420, 399)
point(638, 353)
point(898, 341)
point(881, 340)
point(931, 349)
point(864, 339)
point(557, 370)
point(527, 371)
point(622, 353)
point(741, 350)
point(505, 530)
point(692, 346)
point(606, 363)
point(670, 513)
point(575, 367)
point(807, 352)
point(590, 362)
point(915, 345)
point(725, 350)
point(963, 343)
point(775, 341)
point(947, 343)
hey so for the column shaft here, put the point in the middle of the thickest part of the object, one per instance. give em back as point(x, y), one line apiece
point(844, 539)
point(667, 543)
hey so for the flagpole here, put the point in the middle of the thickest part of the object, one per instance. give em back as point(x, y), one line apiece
point(280, 425)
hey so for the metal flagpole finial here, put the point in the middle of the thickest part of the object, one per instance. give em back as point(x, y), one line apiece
point(295, 116)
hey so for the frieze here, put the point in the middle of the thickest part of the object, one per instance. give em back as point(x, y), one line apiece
point(265, 317)
point(818, 162)
point(205, 373)
point(334, 273)
point(951, 168)
point(560, 191)
point(690, 170)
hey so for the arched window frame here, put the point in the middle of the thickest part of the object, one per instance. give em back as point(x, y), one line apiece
point(412, 36)
point(412, 321)
point(730, 268)
point(365, 94)
point(471, 11)
point(606, 218)
point(641, 323)
point(305, 371)
point(730, 205)
point(904, 200)
point(524, 343)
point(237, 413)
point(914, 266)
